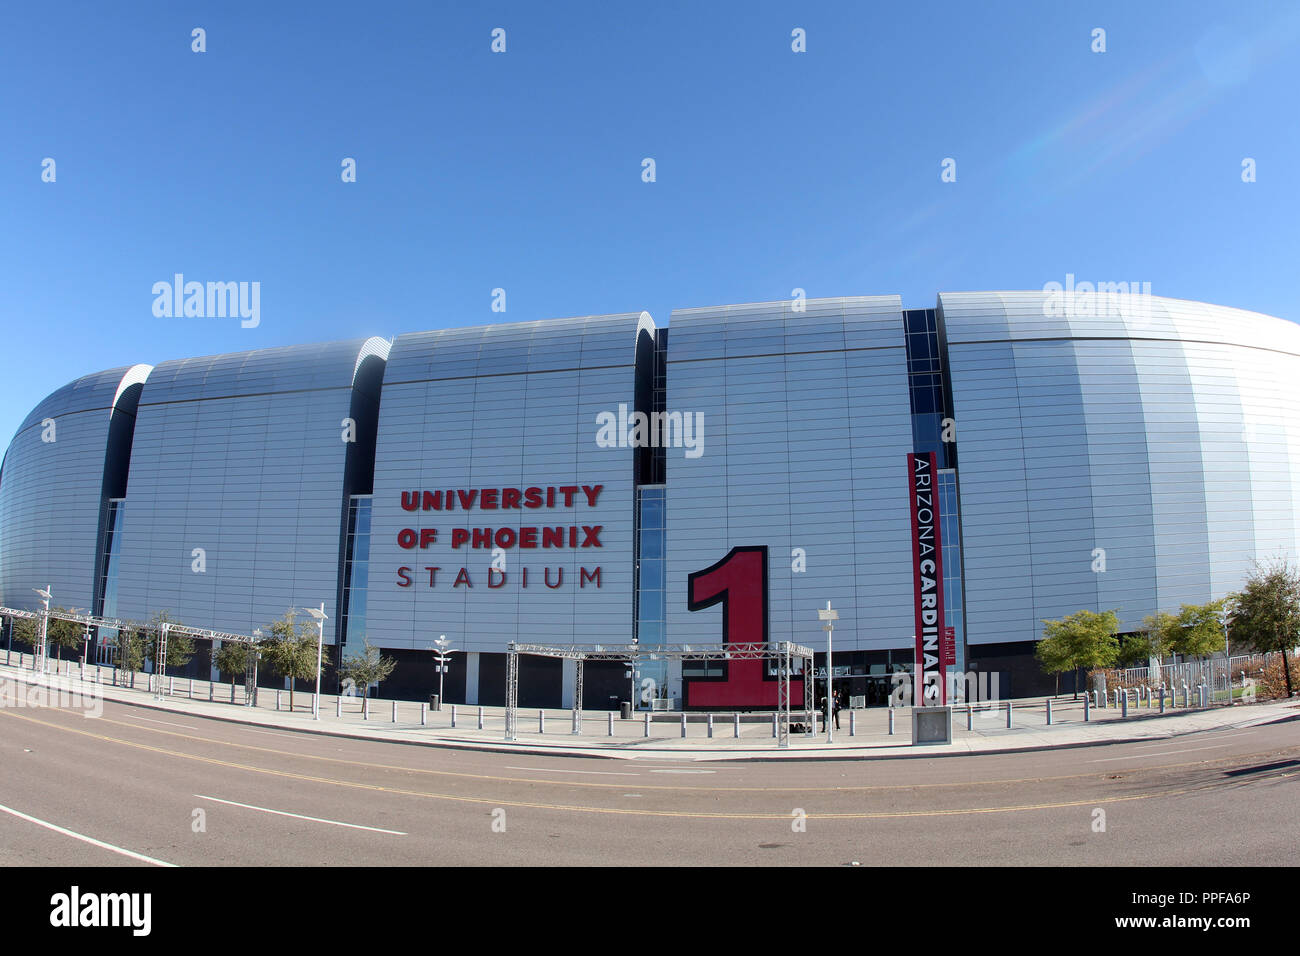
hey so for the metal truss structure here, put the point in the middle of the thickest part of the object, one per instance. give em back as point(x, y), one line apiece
point(156, 680)
point(782, 655)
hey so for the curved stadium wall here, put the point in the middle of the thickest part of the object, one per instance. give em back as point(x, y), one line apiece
point(1126, 452)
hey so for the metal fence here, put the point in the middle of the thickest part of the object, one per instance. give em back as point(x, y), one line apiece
point(1216, 673)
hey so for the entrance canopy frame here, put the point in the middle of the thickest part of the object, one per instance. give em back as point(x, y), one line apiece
point(783, 654)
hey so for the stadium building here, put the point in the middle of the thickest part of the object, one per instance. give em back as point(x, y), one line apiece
point(566, 481)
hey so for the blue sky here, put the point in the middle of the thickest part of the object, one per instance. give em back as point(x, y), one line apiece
point(522, 170)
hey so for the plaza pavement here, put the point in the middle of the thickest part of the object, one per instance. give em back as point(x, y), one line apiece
point(865, 735)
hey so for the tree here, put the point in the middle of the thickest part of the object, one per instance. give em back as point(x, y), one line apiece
point(231, 659)
point(1084, 639)
point(365, 669)
point(1266, 615)
point(1153, 640)
point(58, 634)
point(291, 650)
point(180, 649)
point(1199, 629)
point(130, 648)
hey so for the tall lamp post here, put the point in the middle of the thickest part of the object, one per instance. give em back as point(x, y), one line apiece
point(42, 652)
point(319, 615)
point(1227, 657)
point(830, 616)
point(442, 655)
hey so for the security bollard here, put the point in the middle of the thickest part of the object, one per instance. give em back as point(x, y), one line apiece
point(970, 717)
point(1008, 715)
point(611, 724)
point(710, 726)
point(277, 699)
point(365, 704)
point(211, 688)
point(394, 720)
point(424, 713)
point(853, 723)
point(232, 691)
point(577, 724)
point(171, 685)
point(683, 724)
point(774, 731)
point(1162, 700)
point(1049, 711)
point(338, 706)
point(1087, 712)
point(735, 726)
point(453, 715)
point(891, 721)
point(541, 721)
point(480, 718)
point(647, 724)
point(1117, 697)
point(1124, 705)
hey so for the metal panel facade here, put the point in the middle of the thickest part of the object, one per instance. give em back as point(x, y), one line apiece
point(496, 407)
point(50, 494)
point(240, 455)
point(1156, 435)
point(807, 426)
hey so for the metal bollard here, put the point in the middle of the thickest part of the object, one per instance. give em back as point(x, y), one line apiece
point(424, 713)
point(1185, 697)
point(338, 706)
point(683, 723)
point(1049, 711)
point(647, 724)
point(480, 718)
point(453, 715)
point(1124, 705)
point(853, 723)
point(735, 726)
point(277, 699)
point(211, 688)
point(1087, 711)
point(541, 721)
point(394, 720)
point(1162, 700)
point(232, 691)
point(171, 685)
point(577, 723)
point(710, 726)
point(891, 721)
point(1008, 715)
point(774, 731)
point(611, 724)
point(970, 717)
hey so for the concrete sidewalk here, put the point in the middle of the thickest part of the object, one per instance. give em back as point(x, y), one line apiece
point(603, 735)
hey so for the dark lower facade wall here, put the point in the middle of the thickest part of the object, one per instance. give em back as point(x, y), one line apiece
point(606, 685)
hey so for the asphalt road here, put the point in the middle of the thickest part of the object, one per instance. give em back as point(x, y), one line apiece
point(142, 787)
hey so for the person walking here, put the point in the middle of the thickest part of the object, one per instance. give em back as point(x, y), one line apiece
point(836, 706)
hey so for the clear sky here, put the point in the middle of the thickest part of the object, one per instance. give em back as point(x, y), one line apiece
point(522, 170)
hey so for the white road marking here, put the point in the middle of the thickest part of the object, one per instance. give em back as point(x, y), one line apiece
point(299, 816)
point(1160, 753)
point(169, 723)
point(683, 771)
point(603, 773)
point(85, 839)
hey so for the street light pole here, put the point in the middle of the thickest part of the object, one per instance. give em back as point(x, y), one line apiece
point(320, 617)
point(43, 654)
point(830, 616)
point(443, 655)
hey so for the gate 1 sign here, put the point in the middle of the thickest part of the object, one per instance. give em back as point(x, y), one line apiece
point(927, 573)
point(739, 583)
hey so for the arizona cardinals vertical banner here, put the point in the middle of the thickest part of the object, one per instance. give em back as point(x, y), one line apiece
point(930, 685)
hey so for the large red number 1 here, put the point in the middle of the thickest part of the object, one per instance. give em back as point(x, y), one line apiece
point(739, 583)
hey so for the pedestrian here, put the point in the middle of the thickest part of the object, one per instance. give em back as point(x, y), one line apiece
point(836, 705)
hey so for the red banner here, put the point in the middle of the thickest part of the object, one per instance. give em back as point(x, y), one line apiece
point(929, 683)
